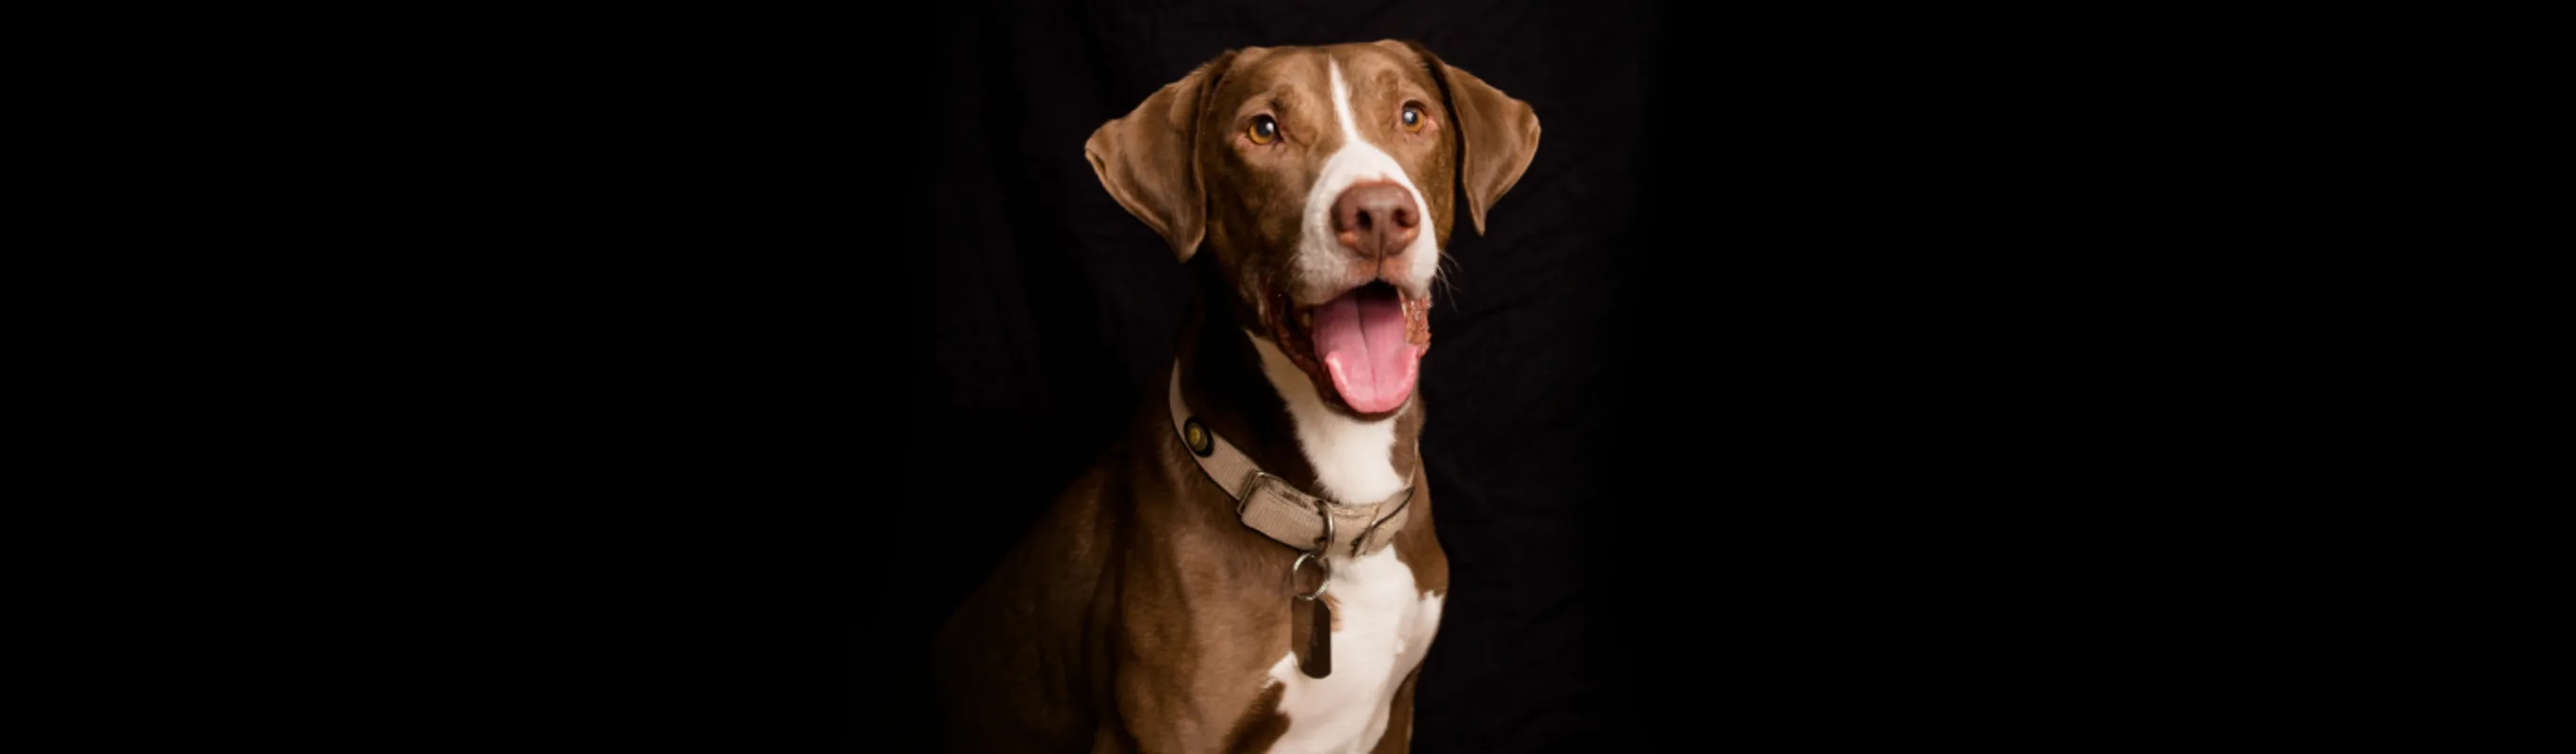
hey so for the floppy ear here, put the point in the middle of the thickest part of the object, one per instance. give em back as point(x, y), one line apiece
point(1497, 135)
point(1149, 159)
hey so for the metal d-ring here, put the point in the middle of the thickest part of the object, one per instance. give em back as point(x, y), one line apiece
point(1322, 582)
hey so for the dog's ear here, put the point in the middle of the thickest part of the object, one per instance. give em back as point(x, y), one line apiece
point(1497, 135)
point(1148, 159)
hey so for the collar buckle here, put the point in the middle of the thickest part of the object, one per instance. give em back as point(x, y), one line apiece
point(1252, 488)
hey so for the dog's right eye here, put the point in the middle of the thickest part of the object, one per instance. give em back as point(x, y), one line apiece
point(1263, 130)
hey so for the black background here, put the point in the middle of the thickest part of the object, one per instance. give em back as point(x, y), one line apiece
point(1833, 376)
point(1800, 346)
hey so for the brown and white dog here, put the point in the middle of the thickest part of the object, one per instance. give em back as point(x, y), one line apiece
point(1171, 600)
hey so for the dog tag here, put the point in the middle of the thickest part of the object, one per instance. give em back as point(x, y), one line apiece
point(1315, 657)
point(1317, 660)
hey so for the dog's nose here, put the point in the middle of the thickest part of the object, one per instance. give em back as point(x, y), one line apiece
point(1376, 219)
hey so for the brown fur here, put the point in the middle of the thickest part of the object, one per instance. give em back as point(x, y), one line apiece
point(1140, 614)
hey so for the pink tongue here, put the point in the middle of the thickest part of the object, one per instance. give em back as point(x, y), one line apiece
point(1360, 339)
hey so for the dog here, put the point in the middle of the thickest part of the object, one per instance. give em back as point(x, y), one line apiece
point(1252, 566)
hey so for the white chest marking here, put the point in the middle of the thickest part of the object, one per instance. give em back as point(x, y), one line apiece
point(1354, 460)
point(1387, 625)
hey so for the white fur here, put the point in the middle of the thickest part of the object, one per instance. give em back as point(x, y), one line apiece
point(1319, 259)
point(1386, 627)
point(1387, 624)
point(1351, 457)
point(1354, 460)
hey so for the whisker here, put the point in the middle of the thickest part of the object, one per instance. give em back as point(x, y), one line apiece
point(1441, 273)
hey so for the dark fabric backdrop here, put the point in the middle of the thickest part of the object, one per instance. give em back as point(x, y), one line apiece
point(1815, 380)
point(1919, 376)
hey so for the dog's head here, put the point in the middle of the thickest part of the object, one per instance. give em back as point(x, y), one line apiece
point(1322, 181)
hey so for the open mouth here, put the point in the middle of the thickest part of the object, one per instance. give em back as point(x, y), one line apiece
point(1366, 344)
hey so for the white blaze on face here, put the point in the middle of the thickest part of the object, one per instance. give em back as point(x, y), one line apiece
point(1318, 257)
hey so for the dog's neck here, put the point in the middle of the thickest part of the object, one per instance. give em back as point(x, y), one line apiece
point(1242, 387)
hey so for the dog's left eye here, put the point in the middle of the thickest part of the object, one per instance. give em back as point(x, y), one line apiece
point(1412, 118)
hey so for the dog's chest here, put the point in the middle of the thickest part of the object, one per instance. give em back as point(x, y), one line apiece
point(1387, 624)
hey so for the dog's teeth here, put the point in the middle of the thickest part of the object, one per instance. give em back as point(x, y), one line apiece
point(1306, 318)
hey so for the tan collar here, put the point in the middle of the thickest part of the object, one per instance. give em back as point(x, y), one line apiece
point(1271, 506)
